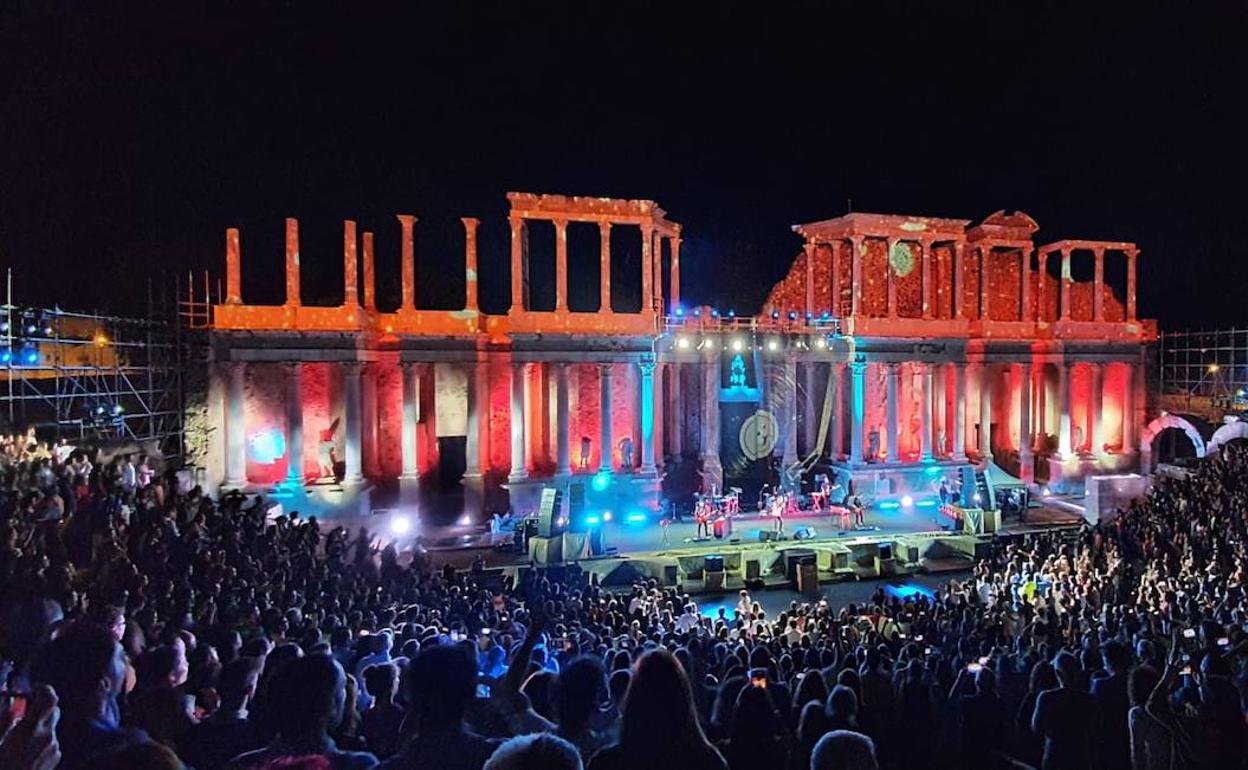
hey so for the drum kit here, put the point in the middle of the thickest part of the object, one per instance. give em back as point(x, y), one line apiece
point(713, 513)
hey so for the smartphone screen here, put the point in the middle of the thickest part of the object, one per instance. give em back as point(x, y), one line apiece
point(17, 707)
point(1189, 633)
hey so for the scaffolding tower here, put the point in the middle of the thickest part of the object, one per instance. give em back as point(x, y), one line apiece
point(1206, 370)
point(91, 377)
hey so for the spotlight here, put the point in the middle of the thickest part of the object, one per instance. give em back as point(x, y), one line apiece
point(465, 520)
point(792, 315)
point(907, 501)
point(101, 340)
point(821, 343)
point(4, 326)
point(738, 345)
point(400, 526)
point(118, 409)
point(1213, 368)
point(6, 356)
point(976, 497)
point(30, 355)
point(697, 312)
point(593, 520)
point(732, 313)
point(775, 314)
point(679, 311)
point(606, 515)
point(825, 315)
point(773, 344)
point(636, 517)
point(30, 328)
point(714, 313)
point(99, 409)
point(682, 342)
point(1044, 491)
point(601, 481)
point(809, 315)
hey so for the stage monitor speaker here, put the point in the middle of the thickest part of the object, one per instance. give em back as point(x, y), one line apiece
point(548, 512)
point(767, 536)
point(753, 569)
point(714, 581)
point(886, 551)
point(808, 580)
point(754, 585)
point(722, 528)
point(795, 557)
point(804, 533)
point(714, 563)
point(671, 574)
point(597, 542)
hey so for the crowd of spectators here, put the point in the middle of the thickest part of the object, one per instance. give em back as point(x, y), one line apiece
point(146, 627)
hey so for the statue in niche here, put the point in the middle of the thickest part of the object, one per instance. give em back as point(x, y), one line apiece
point(326, 453)
point(941, 446)
point(873, 444)
point(586, 447)
point(1076, 438)
point(736, 373)
point(626, 453)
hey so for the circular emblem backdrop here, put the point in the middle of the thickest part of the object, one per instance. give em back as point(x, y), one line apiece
point(901, 258)
point(758, 435)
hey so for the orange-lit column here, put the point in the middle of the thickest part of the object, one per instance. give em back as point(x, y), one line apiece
point(233, 269)
point(985, 411)
point(294, 422)
point(1027, 468)
point(926, 245)
point(810, 276)
point(959, 411)
point(958, 284)
point(350, 289)
point(292, 262)
point(408, 249)
point(1024, 309)
point(1131, 259)
point(604, 411)
point(604, 268)
point(834, 303)
point(470, 262)
point(561, 264)
point(1096, 445)
point(353, 423)
point(647, 268)
point(675, 272)
point(858, 244)
point(1041, 276)
point(1040, 424)
point(925, 411)
point(893, 374)
point(372, 457)
point(518, 470)
point(889, 244)
point(657, 273)
point(370, 276)
point(1065, 444)
point(517, 264)
point(235, 428)
point(563, 448)
point(1066, 281)
point(985, 297)
point(1098, 286)
point(1128, 410)
point(477, 448)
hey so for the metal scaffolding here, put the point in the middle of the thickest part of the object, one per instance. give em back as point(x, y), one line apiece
point(1209, 368)
point(92, 377)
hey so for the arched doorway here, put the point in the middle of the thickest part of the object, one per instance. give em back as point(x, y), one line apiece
point(1168, 438)
point(1233, 430)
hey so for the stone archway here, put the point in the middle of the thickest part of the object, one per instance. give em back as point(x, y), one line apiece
point(1163, 422)
point(1226, 434)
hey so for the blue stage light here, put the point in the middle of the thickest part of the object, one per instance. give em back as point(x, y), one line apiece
point(732, 313)
point(679, 311)
point(932, 470)
point(714, 313)
point(697, 311)
point(636, 517)
point(929, 503)
point(775, 314)
point(826, 314)
point(601, 481)
point(6, 356)
point(30, 355)
point(593, 520)
point(890, 504)
point(792, 315)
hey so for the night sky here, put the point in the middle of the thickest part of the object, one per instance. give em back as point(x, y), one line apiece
point(130, 140)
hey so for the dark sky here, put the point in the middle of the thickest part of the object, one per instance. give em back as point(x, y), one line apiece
point(130, 139)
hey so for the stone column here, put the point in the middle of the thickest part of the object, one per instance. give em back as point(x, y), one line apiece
point(294, 422)
point(891, 274)
point(518, 470)
point(1066, 282)
point(959, 279)
point(985, 411)
point(408, 249)
point(235, 426)
point(563, 449)
point(1131, 260)
point(1024, 309)
point(660, 415)
point(836, 444)
point(810, 276)
point(353, 440)
point(858, 394)
point(925, 414)
point(1040, 425)
point(1042, 275)
point(476, 449)
point(411, 416)
point(712, 468)
point(959, 412)
point(350, 268)
point(927, 278)
point(790, 412)
point(892, 373)
point(809, 410)
point(1027, 469)
point(517, 265)
point(985, 296)
point(1128, 410)
point(834, 305)
point(606, 440)
point(1098, 285)
point(1096, 444)
point(647, 268)
point(233, 268)
point(858, 244)
point(561, 264)
point(1065, 447)
point(370, 275)
point(675, 273)
point(676, 425)
point(604, 260)
point(533, 405)
point(647, 417)
point(470, 263)
point(292, 262)
point(372, 460)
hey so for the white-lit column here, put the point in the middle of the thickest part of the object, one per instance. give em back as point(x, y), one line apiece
point(647, 417)
point(1128, 409)
point(478, 397)
point(294, 422)
point(892, 373)
point(235, 429)
point(712, 468)
point(563, 450)
point(371, 455)
point(1096, 398)
point(925, 413)
point(836, 425)
point(676, 427)
point(518, 470)
point(535, 405)
point(606, 440)
point(411, 416)
point(354, 435)
point(1065, 447)
point(959, 411)
point(858, 397)
point(790, 413)
point(985, 411)
point(1027, 470)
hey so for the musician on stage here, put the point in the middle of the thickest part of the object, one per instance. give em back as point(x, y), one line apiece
point(778, 505)
point(702, 515)
point(856, 506)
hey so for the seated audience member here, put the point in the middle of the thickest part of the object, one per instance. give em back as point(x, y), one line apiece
point(844, 750)
point(530, 752)
point(228, 732)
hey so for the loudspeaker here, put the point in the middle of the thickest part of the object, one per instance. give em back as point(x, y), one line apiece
point(767, 536)
point(795, 557)
point(597, 546)
point(804, 533)
point(808, 580)
point(671, 575)
point(755, 585)
point(714, 563)
point(714, 581)
point(886, 551)
point(753, 570)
